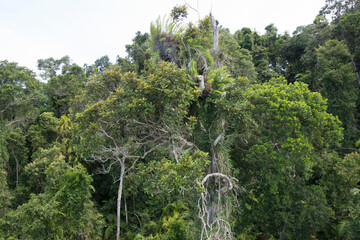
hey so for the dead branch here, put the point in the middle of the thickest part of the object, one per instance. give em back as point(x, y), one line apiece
point(214, 226)
point(196, 10)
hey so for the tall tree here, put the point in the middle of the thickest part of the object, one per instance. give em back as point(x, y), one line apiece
point(349, 31)
point(236, 59)
point(62, 88)
point(51, 67)
point(338, 85)
point(99, 66)
point(293, 129)
point(138, 51)
point(20, 94)
point(337, 8)
point(220, 113)
point(142, 115)
point(20, 100)
point(245, 38)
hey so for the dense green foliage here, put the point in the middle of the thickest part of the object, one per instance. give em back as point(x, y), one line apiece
point(197, 134)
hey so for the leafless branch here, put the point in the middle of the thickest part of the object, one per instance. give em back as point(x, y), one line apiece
point(196, 10)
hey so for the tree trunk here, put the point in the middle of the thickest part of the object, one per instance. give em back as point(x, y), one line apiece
point(119, 201)
point(352, 61)
point(212, 192)
point(126, 211)
point(215, 30)
point(355, 70)
point(17, 168)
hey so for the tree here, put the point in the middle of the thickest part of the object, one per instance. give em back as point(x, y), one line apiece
point(275, 167)
point(261, 62)
point(338, 84)
point(20, 94)
point(61, 89)
point(197, 46)
point(140, 116)
point(318, 33)
point(99, 66)
point(18, 156)
point(237, 60)
point(349, 31)
point(293, 50)
point(138, 52)
point(271, 39)
point(5, 195)
point(178, 13)
point(175, 187)
point(245, 38)
point(265, 50)
point(20, 99)
point(35, 171)
point(165, 41)
point(64, 210)
point(51, 66)
point(42, 134)
point(337, 8)
point(339, 178)
point(221, 118)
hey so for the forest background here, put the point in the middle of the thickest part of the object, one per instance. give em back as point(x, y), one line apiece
point(196, 134)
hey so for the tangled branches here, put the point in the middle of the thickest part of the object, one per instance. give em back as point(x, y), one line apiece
point(213, 210)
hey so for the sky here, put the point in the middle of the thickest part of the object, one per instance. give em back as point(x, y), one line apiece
point(89, 29)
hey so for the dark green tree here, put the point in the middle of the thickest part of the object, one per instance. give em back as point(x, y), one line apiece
point(64, 210)
point(349, 31)
point(293, 129)
point(339, 177)
point(245, 38)
point(42, 134)
point(138, 52)
point(61, 89)
point(236, 59)
point(337, 83)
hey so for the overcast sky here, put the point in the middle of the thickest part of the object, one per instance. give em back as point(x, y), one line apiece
point(88, 29)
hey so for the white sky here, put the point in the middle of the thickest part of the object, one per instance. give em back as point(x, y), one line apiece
point(89, 29)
